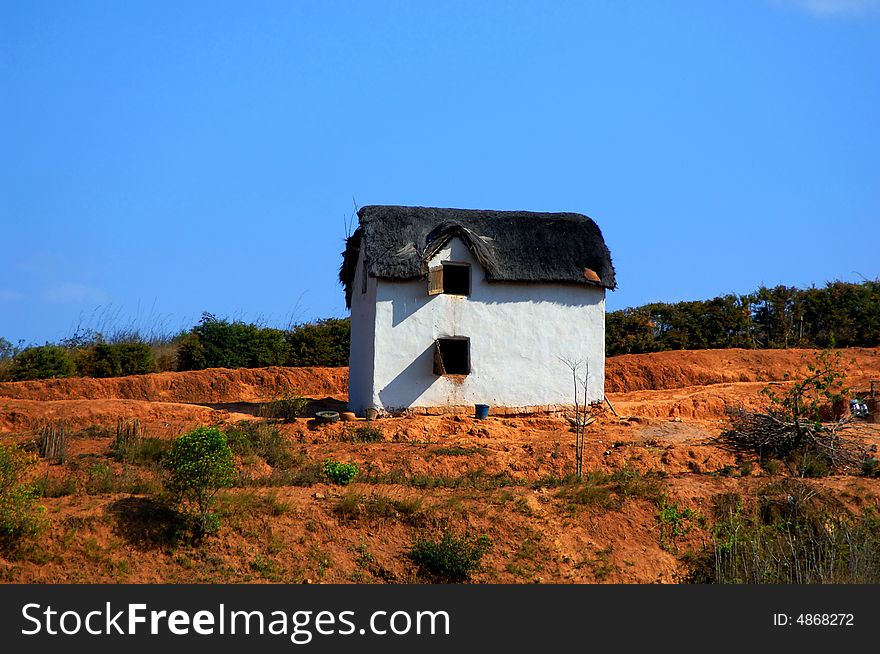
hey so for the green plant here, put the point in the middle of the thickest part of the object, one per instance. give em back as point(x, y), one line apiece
point(42, 362)
point(363, 434)
point(287, 406)
point(805, 400)
point(788, 534)
point(791, 428)
point(871, 467)
point(609, 490)
point(322, 343)
point(20, 516)
point(339, 473)
point(125, 358)
point(356, 506)
point(47, 486)
point(217, 343)
point(674, 522)
point(248, 437)
point(199, 464)
point(451, 559)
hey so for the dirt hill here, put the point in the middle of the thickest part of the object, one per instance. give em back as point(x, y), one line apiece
point(503, 477)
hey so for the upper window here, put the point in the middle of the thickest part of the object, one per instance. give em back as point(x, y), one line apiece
point(450, 278)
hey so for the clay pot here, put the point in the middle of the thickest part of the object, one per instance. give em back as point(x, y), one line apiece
point(347, 416)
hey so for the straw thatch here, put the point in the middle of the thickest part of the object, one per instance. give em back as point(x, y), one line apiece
point(512, 246)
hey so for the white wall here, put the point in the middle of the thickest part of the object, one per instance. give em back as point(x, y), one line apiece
point(362, 353)
point(518, 332)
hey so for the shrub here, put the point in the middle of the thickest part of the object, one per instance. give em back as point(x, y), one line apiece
point(871, 467)
point(128, 439)
point(19, 514)
point(118, 359)
point(130, 445)
point(356, 506)
point(287, 407)
point(321, 343)
point(190, 353)
point(609, 490)
point(248, 437)
point(7, 356)
point(452, 559)
point(339, 473)
point(788, 534)
point(42, 362)
point(674, 522)
point(216, 343)
point(365, 434)
point(199, 464)
point(791, 429)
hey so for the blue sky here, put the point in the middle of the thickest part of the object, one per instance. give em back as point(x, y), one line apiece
point(160, 159)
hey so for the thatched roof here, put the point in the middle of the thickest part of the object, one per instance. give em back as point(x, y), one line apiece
point(512, 246)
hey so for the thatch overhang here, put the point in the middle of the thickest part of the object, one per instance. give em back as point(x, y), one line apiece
point(512, 246)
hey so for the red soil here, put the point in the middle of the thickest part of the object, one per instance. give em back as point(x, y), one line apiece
point(672, 405)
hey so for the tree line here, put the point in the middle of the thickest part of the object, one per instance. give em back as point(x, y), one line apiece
point(212, 343)
point(842, 314)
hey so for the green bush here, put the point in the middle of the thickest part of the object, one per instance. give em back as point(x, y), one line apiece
point(118, 359)
point(42, 362)
point(364, 434)
point(452, 559)
point(20, 516)
point(199, 464)
point(257, 438)
point(287, 407)
point(216, 343)
point(7, 355)
point(339, 473)
point(131, 446)
point(788, 533)
point(322, 343)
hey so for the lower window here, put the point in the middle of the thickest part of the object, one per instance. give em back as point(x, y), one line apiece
point(452, 356)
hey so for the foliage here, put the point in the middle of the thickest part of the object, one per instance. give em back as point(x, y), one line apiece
point(322, 343)
point(42, 362)
point(363, 434)
point(453, 558)
point(821, 388)
point(217, 343)
point(199, 464)
point(286, 406)
point(791, 427)
point(841, 314)
point(7, 357)
point(788, 534)
point(339, 473)
point(356, 506)
point(131, 446)
point(608, 490)
point(674, 522)
point(20, 516)
point(118, 359)
point(258, 438)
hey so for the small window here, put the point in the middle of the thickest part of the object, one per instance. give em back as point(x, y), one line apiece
point(452, 356)
point(450, 278)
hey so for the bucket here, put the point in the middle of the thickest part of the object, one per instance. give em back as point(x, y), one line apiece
point(371, 413)
point(481, 411)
